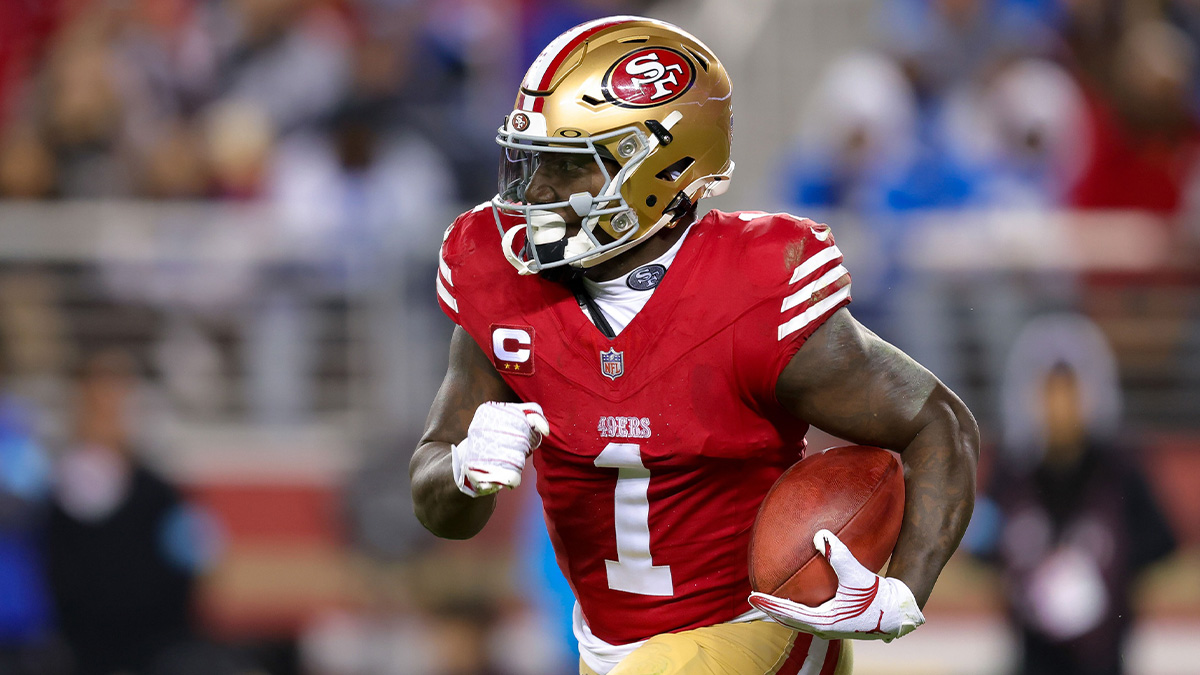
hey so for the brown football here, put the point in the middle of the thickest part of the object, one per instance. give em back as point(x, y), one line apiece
point(856, 492)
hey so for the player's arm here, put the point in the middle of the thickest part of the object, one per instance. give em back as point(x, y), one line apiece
point(437, 500)
point(848, 382)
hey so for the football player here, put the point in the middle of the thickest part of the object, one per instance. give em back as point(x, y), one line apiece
point(662, 368)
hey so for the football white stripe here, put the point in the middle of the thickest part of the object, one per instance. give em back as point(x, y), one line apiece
point(805, 294)
point(445, 295)
point(803, 319)
point(527, 102)
point(445, 269)
point(815, 660)
point(812, 264)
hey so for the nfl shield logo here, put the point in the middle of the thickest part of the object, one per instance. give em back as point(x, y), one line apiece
point(612, 363)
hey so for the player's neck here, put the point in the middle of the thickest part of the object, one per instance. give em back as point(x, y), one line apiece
point(655, 246)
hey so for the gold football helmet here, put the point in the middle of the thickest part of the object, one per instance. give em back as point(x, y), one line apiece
point(642, 94)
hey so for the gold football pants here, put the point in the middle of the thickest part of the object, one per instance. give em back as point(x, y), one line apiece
point(750, 648)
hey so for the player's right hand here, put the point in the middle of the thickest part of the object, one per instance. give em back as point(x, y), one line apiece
point(499, 439)
point(865, 607)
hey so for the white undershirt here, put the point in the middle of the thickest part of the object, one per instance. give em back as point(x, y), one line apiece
point(618, 302)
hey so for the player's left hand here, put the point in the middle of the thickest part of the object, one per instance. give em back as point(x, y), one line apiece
point(866, 606)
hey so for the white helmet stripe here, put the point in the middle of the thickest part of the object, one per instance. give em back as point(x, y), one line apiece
point(538, 75)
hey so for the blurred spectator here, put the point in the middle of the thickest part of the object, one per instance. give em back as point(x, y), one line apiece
point(289, 58)
point(175, 165)
point(942, 43)
point(28, 169)
point(1069, 519)
point(1144, 137)
point(857, 136)
point(866, 144)
point(187, 99)
point(26, 618)
point(1023, 130)
point(1090, 29)
point(239, 136)
point(85, 113)
point(122, 546)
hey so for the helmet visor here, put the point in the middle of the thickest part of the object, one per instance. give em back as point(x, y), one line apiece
point(521, 160)
point(524, 158)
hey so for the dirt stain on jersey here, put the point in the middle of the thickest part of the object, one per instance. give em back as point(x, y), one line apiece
point(793, 255)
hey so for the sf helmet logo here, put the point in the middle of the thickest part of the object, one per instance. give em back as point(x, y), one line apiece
point(648, 77)
point(520, 122)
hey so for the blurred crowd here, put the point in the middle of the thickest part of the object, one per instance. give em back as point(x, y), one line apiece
point(1009, 103)
point(1016, 107)
point(363, 124)
point(1085, 103)
point(245, 99)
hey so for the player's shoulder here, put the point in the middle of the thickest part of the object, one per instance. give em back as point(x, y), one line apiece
point(473, 270)
point(468, 259)
point(773, 247)
point(786, 266)
point(766, 229)
point(470, 230)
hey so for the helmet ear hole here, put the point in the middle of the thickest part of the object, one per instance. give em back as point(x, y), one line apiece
point(675, 170)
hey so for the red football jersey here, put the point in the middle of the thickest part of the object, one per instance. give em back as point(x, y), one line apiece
point(663, 441)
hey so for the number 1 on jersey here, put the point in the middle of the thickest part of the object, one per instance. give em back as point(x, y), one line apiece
point(633, 571)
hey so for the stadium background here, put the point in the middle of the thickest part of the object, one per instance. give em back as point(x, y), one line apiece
point(247, 196)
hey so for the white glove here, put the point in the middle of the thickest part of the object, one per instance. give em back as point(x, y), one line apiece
point(499, 439)
point(866, 606)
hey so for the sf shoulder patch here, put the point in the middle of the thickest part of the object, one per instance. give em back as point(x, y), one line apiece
point(512, 349)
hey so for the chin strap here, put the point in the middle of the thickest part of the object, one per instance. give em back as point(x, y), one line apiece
point(548, 234)
point(522, 266)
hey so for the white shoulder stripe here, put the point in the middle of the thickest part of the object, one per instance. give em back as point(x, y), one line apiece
point(445, 295)
point(444, 269)
point(805, 294)
point(812, 264)
point(803, 319)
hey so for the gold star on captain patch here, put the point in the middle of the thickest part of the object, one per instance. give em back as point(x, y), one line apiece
point(517, 366)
